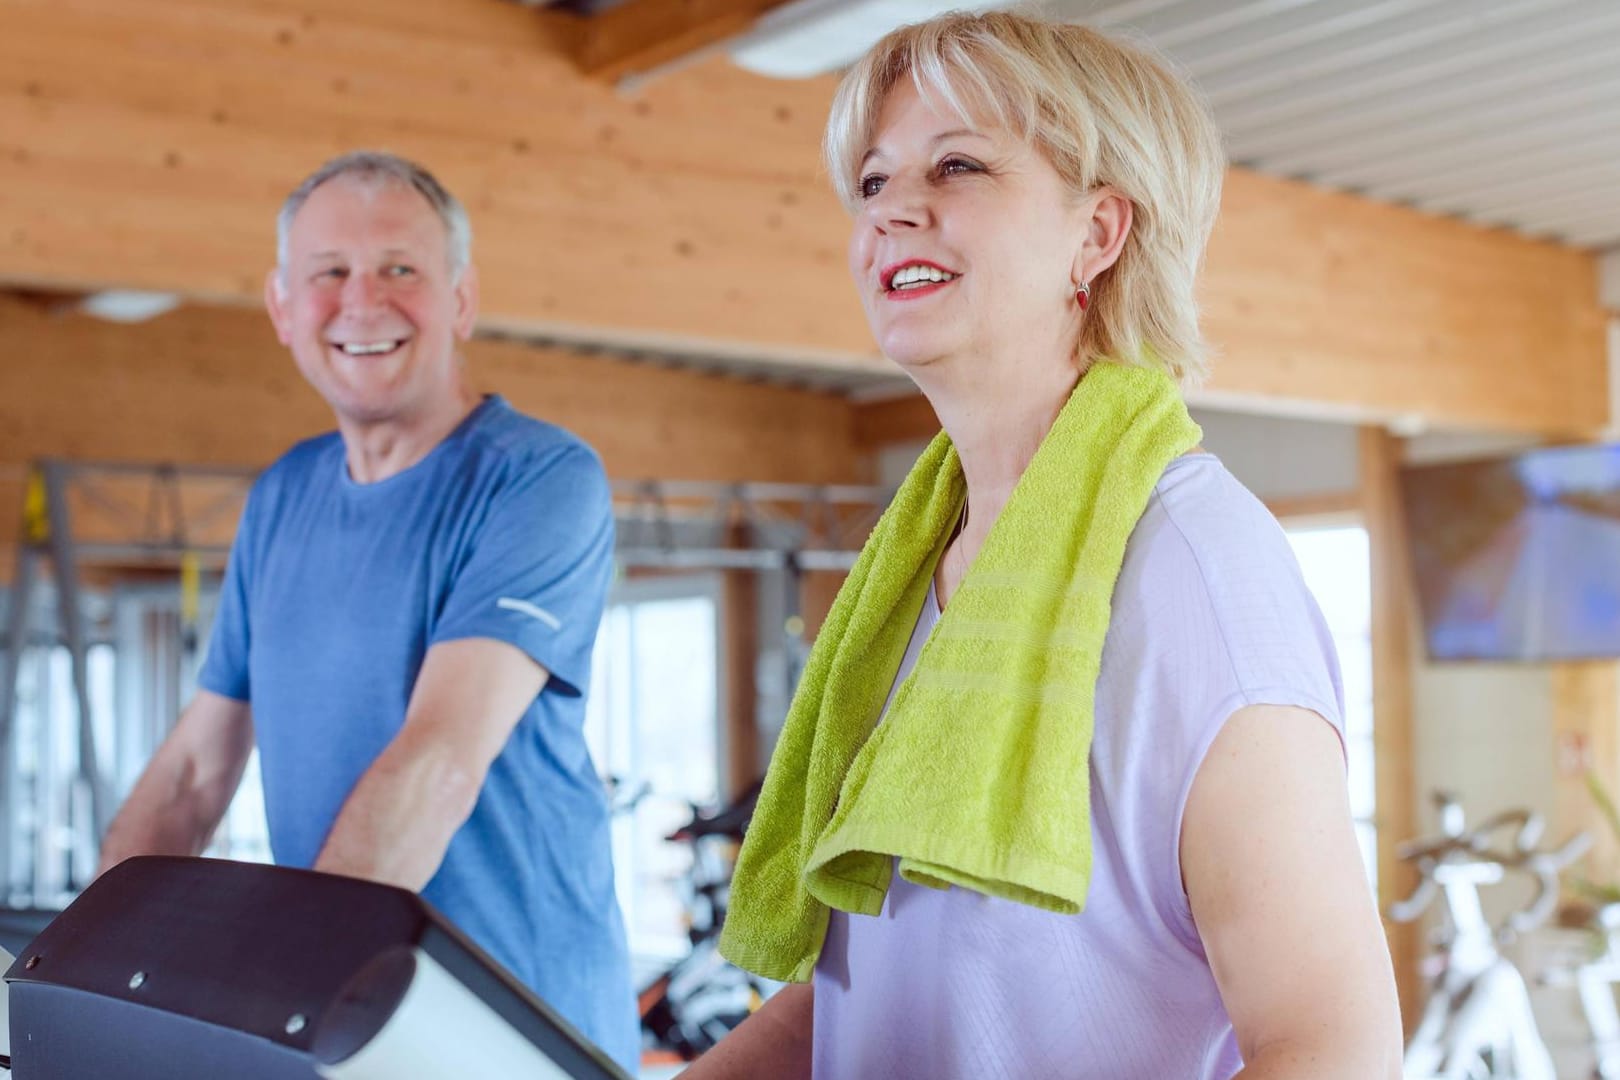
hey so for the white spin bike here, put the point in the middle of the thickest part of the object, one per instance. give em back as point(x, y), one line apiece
point(1595, 979)
point(1478, 1024)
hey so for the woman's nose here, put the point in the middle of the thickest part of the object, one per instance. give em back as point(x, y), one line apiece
point(901, 203)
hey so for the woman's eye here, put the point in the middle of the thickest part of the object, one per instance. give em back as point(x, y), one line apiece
point(870, 186)
point(951, 166)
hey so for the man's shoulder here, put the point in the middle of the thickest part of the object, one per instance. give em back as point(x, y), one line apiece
point(518, 440)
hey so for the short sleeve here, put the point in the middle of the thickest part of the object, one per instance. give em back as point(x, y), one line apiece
point(539, 569)
point(1252, 630)
point(1211, 615)
point(225, 667)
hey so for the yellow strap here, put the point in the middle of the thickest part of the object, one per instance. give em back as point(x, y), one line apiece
point(190, 586)
point(36, 509)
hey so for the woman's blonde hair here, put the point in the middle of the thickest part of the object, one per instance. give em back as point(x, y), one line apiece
point(1103, 113)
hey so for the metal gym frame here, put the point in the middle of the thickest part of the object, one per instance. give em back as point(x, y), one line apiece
point(157, 532)
point(661, 525)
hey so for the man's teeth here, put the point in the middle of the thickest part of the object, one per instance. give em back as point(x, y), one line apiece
point(915, 277)
point(368, 349)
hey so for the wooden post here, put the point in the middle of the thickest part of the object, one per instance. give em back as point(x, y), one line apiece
point(739, 624)
point(1392, 645)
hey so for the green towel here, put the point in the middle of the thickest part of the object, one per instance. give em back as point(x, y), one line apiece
point(978, 776)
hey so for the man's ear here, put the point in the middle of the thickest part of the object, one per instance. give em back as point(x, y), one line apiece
point(466, 303)
point(275, 302)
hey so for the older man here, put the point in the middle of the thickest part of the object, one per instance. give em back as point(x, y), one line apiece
point(406, 624)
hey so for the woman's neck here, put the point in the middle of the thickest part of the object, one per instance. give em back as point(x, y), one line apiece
point(996, 427)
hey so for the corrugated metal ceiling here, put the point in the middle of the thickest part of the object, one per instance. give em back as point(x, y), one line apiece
point(1502, 112)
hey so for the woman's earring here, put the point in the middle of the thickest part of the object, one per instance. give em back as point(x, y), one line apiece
point(1082, 296)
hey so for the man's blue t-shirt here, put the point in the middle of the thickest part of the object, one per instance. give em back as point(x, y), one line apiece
point(334, 593)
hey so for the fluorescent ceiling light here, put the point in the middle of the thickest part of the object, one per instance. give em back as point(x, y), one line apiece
point(813, 37)
point(128, 306)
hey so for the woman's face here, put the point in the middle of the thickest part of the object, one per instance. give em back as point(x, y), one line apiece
point(966, 240)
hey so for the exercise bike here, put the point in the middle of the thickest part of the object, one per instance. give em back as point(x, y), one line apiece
point(702, 997)
point(1595, 979)
point(1478, 1023)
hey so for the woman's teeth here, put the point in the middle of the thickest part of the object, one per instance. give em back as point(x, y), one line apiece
point(915, 277)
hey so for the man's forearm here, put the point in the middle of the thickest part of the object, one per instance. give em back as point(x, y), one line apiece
point(168, 813)
point(186, 788)
point(398, 821)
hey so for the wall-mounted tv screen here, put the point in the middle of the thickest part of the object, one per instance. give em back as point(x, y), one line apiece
point(1518, 558)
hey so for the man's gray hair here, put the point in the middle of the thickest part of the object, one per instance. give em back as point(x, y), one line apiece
point(378, 167)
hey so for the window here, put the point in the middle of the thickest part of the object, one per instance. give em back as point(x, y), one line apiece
point(157, 678)
point(244, 834)
point(652, 723)
point(1335, 562)
point(51, 849)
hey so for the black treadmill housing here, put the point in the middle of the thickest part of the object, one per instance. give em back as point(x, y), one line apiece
point(173, 967)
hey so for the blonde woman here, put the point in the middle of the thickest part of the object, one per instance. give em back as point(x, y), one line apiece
point(1063, 792)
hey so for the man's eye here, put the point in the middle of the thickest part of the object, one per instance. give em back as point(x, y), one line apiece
point(400, 270)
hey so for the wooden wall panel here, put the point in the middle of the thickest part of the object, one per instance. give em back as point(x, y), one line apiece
point(1586, 724)
point(212, 386)
point(149, 145)
point(1374, 311)
point(899, 420)
point(152, 146)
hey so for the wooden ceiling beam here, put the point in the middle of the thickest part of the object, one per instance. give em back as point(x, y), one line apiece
point(641, 36)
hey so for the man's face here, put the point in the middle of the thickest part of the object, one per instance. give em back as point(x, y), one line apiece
point(367, 304)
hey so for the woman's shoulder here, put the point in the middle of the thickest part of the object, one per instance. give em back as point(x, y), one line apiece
point(1202, 524)
point(1210, 615)
point(1200, 501)
point(1209, 573)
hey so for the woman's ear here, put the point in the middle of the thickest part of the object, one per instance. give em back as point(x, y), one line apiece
point(1106, 228)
